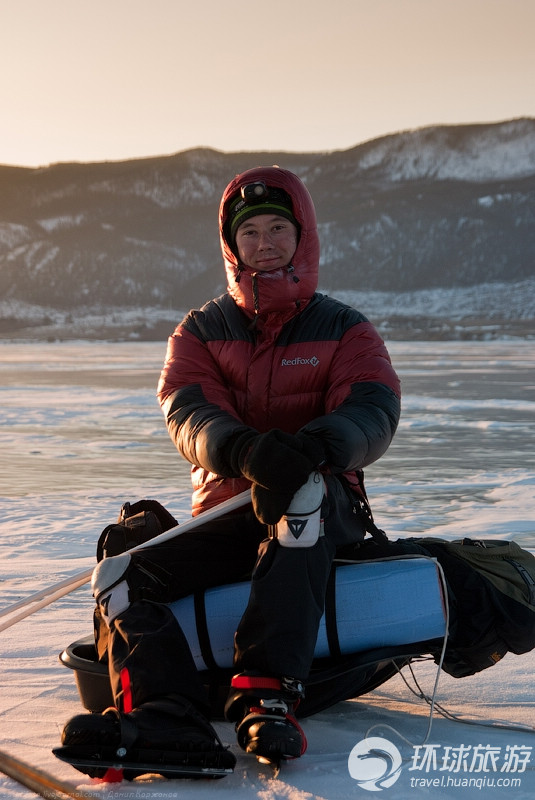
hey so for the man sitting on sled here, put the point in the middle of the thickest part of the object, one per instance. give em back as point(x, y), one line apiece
point(271, 386)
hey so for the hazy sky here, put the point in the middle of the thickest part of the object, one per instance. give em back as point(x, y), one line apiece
point(119, 79)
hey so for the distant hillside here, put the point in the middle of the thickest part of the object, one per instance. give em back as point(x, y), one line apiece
point(439, 208)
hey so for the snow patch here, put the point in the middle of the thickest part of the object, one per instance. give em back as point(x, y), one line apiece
point(501, 152)
point(490, 300)
point(12, 234)
point(61, 223)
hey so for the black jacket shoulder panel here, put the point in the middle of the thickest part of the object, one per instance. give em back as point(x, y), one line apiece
point(219, 320)
point(324, 319)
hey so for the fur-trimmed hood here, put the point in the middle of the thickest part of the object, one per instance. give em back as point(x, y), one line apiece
point(284, 290)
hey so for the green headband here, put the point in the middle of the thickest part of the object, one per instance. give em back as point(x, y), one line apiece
point(277, 202)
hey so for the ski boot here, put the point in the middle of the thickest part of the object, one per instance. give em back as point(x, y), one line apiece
point(263, 710)
point(166, 736)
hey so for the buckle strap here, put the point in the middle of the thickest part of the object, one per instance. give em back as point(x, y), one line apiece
point(128, 731)
point(292, 686)
point(271, 710)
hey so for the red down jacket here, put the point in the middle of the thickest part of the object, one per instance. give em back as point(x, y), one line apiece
point(274, 353)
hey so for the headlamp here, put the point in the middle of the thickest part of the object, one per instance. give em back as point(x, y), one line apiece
point(254, 191)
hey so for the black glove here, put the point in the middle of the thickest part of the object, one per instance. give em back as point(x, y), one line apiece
point(278, 464)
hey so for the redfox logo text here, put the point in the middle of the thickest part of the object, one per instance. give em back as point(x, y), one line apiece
point(300, 362)
point(376, 764)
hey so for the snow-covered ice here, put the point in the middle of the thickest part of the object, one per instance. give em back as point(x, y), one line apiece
point(80, 432)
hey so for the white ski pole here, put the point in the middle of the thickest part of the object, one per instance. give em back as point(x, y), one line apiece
point(47, 596)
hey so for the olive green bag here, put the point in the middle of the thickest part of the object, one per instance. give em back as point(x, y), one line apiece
point(491, 595)
point(491, 588)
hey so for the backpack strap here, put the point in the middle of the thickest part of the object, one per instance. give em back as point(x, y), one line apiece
point(361, 507)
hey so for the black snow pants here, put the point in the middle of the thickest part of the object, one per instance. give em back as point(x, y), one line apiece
point(277, 633)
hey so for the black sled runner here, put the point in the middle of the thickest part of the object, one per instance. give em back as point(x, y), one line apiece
point(113, 769)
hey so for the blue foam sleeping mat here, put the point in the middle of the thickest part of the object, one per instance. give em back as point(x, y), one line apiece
point(388, 602)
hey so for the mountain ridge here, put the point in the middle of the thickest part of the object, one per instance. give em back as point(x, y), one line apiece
point(435, 208)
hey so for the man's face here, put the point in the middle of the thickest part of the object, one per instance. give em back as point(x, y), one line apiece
point(266, 242)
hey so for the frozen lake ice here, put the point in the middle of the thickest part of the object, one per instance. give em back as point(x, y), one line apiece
point(83, 417)
point(81, 432)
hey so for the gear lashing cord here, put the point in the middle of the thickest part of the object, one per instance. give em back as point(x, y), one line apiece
point(432, 699)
